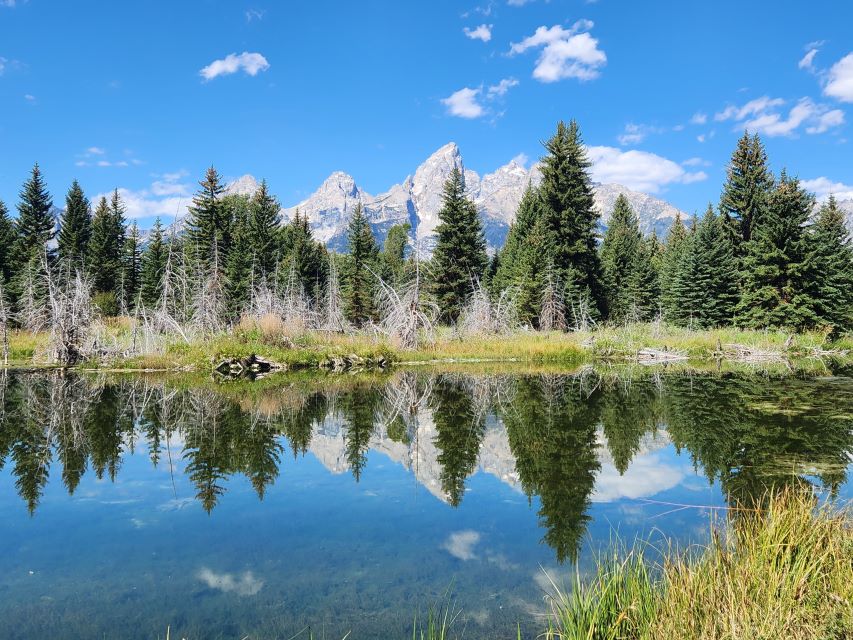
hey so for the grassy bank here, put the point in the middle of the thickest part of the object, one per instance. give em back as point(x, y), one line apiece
point(783, 572)
point(309, 349)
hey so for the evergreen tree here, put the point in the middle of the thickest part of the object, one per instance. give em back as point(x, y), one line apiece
point(829, 269)
point(619, 259)
point(75, 226)
point(153, 264)
point(673, 251)
point(774, 288)
point(35, 223)
point(239, 278)
point(718, 271)
point(643, 285)
point(526, 216)
point(459, 259)
point(747, 184)
point(132, 267)
point(7, 245)
point(304, 255)
point(392, 258)
point(106, 245)
point(685, 292)
point(263, 233)
point(359, 282)
point(209, 220)
point(570, 215)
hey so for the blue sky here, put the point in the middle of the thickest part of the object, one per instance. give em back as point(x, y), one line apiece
point(145, 95)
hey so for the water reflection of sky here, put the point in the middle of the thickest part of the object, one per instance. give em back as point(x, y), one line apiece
point(126, 558)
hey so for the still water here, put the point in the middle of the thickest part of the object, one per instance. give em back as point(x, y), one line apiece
point(349, 503)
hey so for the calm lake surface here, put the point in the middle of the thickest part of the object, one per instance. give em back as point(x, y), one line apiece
point(348, 503)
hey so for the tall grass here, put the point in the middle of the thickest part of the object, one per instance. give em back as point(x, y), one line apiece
point(784, 571)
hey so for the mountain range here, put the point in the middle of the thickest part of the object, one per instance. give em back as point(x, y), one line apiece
point(417, 200)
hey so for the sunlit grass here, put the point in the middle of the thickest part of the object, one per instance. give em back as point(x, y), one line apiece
point(783, 571)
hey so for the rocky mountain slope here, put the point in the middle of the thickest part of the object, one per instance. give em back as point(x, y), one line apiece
point(417, 200)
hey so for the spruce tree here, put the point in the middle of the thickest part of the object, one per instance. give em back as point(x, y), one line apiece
point(748, 181)
point(643, 284)
point(239, 278)
point(685, 291)
point(526, 216)
point(829, 269)
point(35, 223)
point(153, 265)
point(209, 220)
point(774, 287)
point(132, 266)
point(359, 281)
point(75, 226)
point(717, 278)
point(303, 254)
point(460, 258)
point(571, 218)
point(263, 233)
point(392, 258)
point(619, 259)
point(674, 247)
point(106, 246)
point(7, 245)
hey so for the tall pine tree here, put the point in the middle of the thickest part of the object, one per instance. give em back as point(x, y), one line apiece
point(7, 245)
point(748, 182)
point(106, 246)
point(153, 265)
point(209, 221)
point(35, 223)
point(829, 269)
point(75, 226)
point(673, 251)
point(619, 260)
point(359, 281)
point(459, 259)
point(774, 287)
point(570, 215)
point(239, 275)
point(263, 236)
point(131, 267)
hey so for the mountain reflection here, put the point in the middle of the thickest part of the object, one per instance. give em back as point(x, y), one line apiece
point(547, 435)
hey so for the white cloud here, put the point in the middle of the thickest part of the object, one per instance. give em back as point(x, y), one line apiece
point(648, 475)
point(96, 151)
point(250, 63)
point(759, 105)
point(521, 159)
point(483, 32)
point(167, 197)
point(245, 585)
point(254, 14)
point(699, 118)
point(839, 80)
point(29, 97)
point(460, 544)
point(822, 187)
point(464, 103)
point(763, 115)
point(7, 3)
point(3, 62)
point(636, 133)
point(638, 170)
point(514, 3)
point(695, 162)
point(502, 87)
point(807, 61)
point(566, 53)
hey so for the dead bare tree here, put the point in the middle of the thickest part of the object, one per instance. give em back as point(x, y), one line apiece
point(552, 313)
point(407, 318)
point(208, 300)
point(71, 313)
point(333, 318)
point(5, 318)
point(33, 312)
point(482, 315)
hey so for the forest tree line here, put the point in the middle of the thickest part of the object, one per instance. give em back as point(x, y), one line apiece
point(763, 257)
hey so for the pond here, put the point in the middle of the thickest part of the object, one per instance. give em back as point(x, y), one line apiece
point(349, 503)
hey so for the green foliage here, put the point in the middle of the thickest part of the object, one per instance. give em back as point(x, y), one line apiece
point(570, 216)
point(673, 254)
point(620, 260)
point(748, 182)
point(153, 265)
point(775, 292)
point(7, 244)
point(460, 256)
point(75, 226)
point(131, 267)
point(107, 244)
point(209, 221)
point(262, 239)
point(392, 258)
point(35, 223)
point(243, 262)
point(304, 255)
point(829, 269)
point(644, 281)
point(358, 281)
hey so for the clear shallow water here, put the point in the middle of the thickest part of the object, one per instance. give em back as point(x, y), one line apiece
point(348, 503)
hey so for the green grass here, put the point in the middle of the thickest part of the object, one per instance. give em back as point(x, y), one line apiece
point(308, 349)
point(782, 571)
